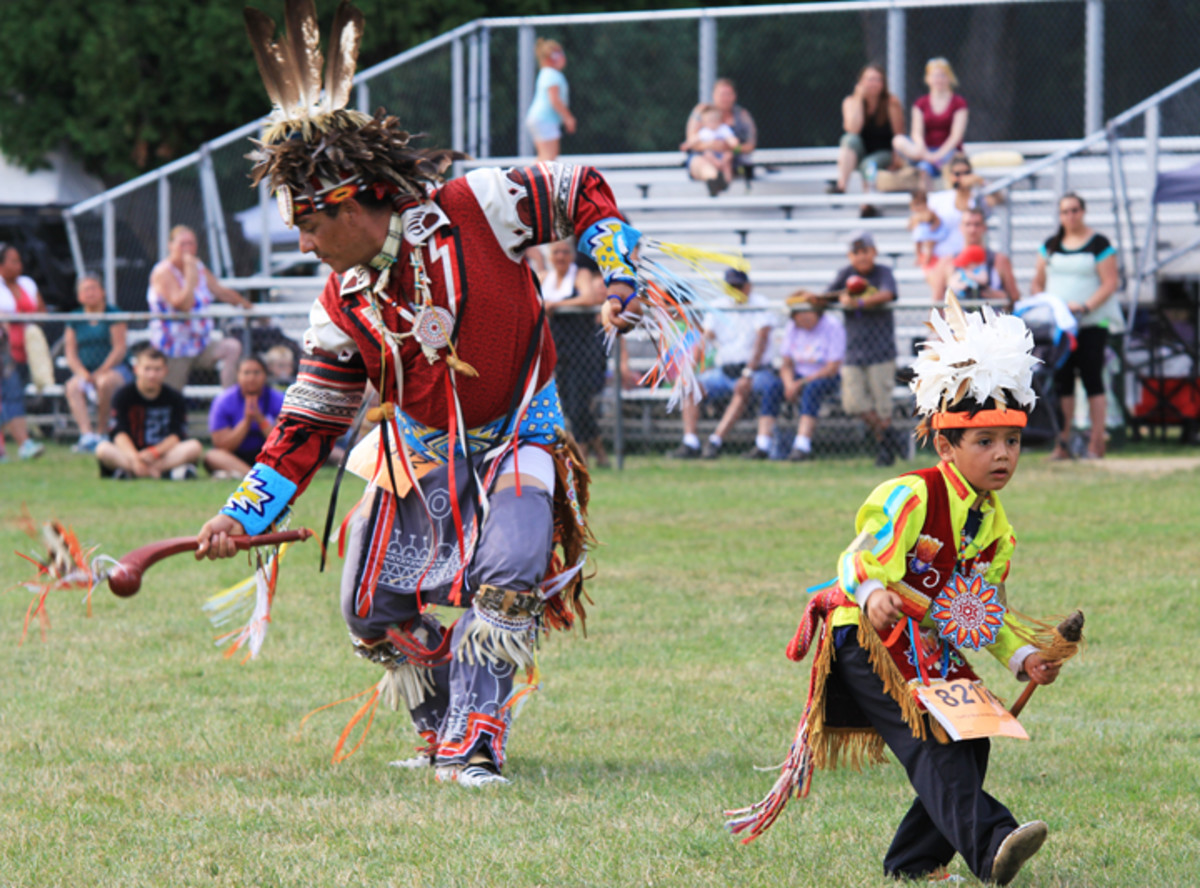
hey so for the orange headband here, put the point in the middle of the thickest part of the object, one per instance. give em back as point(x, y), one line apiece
point(981, 420)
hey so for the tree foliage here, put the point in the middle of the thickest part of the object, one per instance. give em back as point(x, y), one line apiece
point(126, 85)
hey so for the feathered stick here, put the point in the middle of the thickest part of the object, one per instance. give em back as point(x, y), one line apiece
point(1063, 645)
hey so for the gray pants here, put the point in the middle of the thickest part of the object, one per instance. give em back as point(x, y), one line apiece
point(464, 713)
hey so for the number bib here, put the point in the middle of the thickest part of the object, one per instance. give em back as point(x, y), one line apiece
point(968, 711)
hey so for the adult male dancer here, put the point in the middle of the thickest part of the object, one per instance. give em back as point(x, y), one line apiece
point(478, 498)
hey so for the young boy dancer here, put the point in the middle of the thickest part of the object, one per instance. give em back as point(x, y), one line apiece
point(922, 539)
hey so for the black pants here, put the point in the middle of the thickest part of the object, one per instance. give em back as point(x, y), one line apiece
point(580, 371)
point(951, 812)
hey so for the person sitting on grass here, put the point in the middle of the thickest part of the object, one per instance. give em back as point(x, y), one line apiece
point(813, 349)
point(922, 538)
point(148, 434)
point(95, 352)
point(240, 419)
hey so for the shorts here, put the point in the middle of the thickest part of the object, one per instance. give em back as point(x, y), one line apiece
point(179, 369)
point(868, 389)
point(882, 158)
point(544, 130)
point(12, 394)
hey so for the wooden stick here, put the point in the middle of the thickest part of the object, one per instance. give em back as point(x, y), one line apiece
point(125, 579)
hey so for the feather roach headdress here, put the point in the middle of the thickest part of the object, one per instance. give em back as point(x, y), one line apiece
point(976, 371)
point(315, 152)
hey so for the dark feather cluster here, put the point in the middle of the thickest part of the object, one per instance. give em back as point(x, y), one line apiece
point(345, 144)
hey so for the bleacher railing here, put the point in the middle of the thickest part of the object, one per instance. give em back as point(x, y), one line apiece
point(635, 76)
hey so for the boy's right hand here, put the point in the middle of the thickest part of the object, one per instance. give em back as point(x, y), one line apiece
point(883, 609)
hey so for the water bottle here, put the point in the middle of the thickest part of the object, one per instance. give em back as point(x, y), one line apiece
point(870, 172)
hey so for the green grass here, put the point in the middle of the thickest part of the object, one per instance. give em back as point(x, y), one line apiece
point(132, 754)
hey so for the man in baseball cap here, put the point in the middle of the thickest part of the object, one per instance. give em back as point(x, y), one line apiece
point(742, 369)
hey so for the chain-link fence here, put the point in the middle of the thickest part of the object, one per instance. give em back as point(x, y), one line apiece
point(1031, 70)
point(858, 405)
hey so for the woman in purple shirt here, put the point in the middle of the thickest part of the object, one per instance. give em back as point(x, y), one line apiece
point(813, 350)
point(240, 420)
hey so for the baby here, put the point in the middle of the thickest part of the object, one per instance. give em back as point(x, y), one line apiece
point(927, 229)
point(716, 142)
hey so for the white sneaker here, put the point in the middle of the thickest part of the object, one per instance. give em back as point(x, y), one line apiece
point(185, 472)
point(417, 761)
point(475, 776)
point(87, 443)
point(468, 777)
point(31, 449)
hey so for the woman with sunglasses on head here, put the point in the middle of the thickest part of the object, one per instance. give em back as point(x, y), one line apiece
point(1079, 266)
point(939, 122)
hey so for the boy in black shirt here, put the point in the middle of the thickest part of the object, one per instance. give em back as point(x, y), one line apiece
point(149, 427)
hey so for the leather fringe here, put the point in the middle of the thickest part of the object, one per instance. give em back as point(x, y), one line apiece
point(894, 684)
point(407, 684)
point(484, 642)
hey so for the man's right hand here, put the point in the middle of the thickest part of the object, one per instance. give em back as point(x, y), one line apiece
point(883, 609)
point(214, 537)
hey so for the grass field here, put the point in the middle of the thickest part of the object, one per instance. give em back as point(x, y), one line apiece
point(134, 755)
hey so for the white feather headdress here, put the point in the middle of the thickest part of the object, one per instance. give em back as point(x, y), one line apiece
point(980, 355)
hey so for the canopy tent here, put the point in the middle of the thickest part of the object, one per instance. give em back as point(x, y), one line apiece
point(62, 183)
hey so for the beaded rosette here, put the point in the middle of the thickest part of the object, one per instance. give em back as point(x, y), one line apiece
point(968, 612)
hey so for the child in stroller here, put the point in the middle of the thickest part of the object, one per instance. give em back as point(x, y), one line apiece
point(1053, 327)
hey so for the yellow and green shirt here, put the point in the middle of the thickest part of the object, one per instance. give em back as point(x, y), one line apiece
point(891, 525)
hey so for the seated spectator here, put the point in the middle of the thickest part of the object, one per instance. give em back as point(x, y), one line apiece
point(240, 419)
point(949, 205)
point(939, 123)
point(742, 368)
point(813, 348)
point(716, 144)
point(182, 283)
point(281, 366)
point(95, 352)
point(978, 272)
point(581, 358)
point(738, 119)
point(18, 294)
point(869, 368)
point(870, 117)
point(148, 433)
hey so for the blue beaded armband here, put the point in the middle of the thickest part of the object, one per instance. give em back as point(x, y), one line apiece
point(624, 300)
point(609, 242)
point(262, 497)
